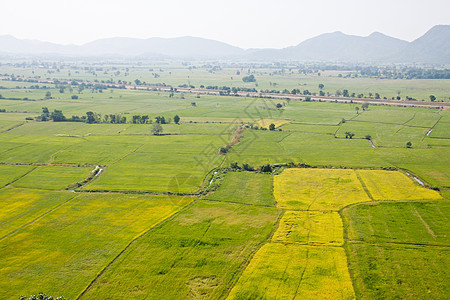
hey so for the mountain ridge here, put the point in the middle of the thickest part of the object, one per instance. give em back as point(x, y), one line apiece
point(433, 48)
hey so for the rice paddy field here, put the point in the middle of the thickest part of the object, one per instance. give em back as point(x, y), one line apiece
point(114, 211)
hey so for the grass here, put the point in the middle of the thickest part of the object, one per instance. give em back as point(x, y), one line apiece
point(245, 187)
point(52, 177)
point(394, 185)
point(317, 189)
point(279, 271)
point(64, 251)
point(310, 227)
point(197, 254)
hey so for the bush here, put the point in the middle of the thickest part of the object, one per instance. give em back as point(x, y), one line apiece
point(247, 167)
point(234, 166)
point(266, 168)
point(249, 78)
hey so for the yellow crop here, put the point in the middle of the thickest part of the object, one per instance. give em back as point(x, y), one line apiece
point(280, 271)
point(310, 227)
point(394, 185)
point(317, 189)
point(264, 123)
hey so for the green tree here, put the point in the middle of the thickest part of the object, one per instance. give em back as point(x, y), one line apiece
point(250, 78)
point(234, 166)
point(365, 106)
point(92, 117)
point(408, 145)
point(345, 93)
point(266, 168)
point(48, 95)
point(432, 98)
point(57, 116)
point(349, 135)
point(321, 86)
point(272, 126)
point(176, 119)
point(157, 129)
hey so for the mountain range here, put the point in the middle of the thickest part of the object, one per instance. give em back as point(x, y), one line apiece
point(431, 48)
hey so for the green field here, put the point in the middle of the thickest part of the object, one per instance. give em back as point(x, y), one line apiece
point(245, 187)
point(197, 254)
point(399, 250)
point(66, 248)
point(113, 211)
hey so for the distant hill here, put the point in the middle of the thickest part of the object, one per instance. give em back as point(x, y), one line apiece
point(187, 47)
point(433, 47)
point(338, 46)
point(182, 47)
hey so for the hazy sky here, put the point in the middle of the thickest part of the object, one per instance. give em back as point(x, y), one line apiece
point(243, 23)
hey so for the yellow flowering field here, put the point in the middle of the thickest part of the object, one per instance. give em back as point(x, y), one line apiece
point(280, 271)
point(310, 227)
point(318, 189)
point(264, 123)
point(394, 185)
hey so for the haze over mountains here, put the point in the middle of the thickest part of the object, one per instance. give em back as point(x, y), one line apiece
point(431, 48)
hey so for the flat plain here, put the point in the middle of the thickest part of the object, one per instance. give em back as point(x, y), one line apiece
point(167, 215)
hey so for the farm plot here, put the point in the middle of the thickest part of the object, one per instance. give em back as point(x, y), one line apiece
point(325, 129)
point(310, 227)
point(11, 173)
point(279, 271)
point(318, 113)
point(176, 164)
point(317, 189)
point(400, 222)
point(31, 149)
point(8, 124)
point(183, 128)
point(386, 135)
point(394, 185)
point(402, 272)
point(262, 147)
point(197, 254)
point(52, 177)
point(18, 207)
point(245, 187)
point(399, 250)
point(387, 115)
point(97, 150)
point(65, 250)
point(441, 130)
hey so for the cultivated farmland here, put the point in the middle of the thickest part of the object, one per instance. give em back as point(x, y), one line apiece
point(331, 204)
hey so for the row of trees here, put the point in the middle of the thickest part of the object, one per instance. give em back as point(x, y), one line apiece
point(267, 168)
point(93, 117)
